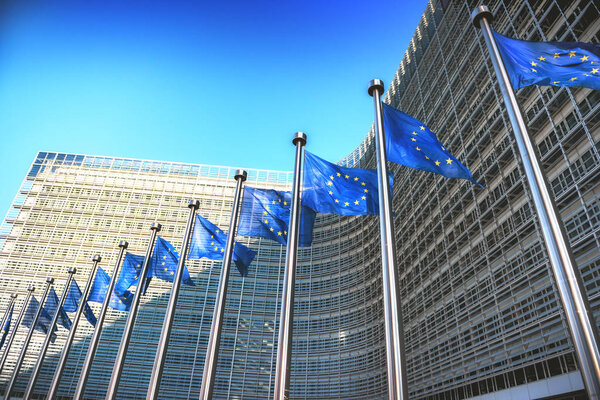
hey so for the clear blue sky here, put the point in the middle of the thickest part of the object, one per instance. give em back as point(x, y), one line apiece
point(211, 82)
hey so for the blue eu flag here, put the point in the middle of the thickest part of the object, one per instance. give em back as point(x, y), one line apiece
point(6, 326)
point(52, 305)
point(266, 213)
point(43, 323)
point(329, 188)
point(72, 303)
point(130, 274)
point(550, 63)
point(163, 263)
point(410, 143)
point(100, 288)
point(209, 241)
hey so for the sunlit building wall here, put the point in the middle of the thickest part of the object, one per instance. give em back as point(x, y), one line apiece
point(481, 313)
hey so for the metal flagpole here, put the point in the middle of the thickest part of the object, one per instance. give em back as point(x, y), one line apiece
point(89, 357)
point(113, 385)
point(161, 352)
point(30, 290)
point(394, 330)
point(13, 297)
point(42, 353)
point(568, 280)
point(67, 346)
point(15, 374)
point(286, 316)
point(212, 351)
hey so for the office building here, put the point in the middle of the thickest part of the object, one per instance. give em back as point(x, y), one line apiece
point(480, 308)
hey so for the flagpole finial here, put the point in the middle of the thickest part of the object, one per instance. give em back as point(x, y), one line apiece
point(13, 295)
point(50, 280)
point(72, 270)
point(195, 204)
point(123, 244)
point(31, 288)
point(97, 258)
point(481, 12)
point(299, 137)
point(241, 174)
point(156, 226)
point(375, 84)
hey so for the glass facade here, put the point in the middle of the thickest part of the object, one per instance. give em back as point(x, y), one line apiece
point(480, 309)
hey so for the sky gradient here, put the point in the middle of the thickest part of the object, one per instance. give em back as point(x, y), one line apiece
point(222, 83)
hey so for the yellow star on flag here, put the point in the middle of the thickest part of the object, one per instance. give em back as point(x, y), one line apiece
point(542, 58)
point(449, 161)
point(437, 163)
point(584, 58)
point(594, 70)
point(556, 55)
point(571, 54)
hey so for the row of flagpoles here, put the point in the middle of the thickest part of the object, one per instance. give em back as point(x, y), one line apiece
point(318, 186)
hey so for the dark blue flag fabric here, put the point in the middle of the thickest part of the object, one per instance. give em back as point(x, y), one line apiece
point(52, 305)
point(130, 273)
point(410, 143)
point(43, 323)
point(209, 241)
point(72, 303)
point(266, 213)
point(6, 326)
point(100, 287)
point(329, 188)
point(163, 264)
point(550, 63)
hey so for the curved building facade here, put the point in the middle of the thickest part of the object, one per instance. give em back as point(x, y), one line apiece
point(480, 309)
